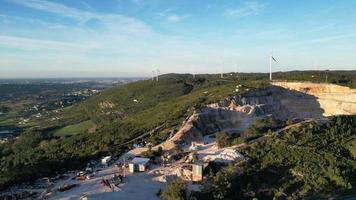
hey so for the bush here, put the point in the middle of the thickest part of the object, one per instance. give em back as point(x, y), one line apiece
point(223, 139)
point(175, 190)
point(151, 153)
point(259, 127)
point(222, 185)
point(227, 140)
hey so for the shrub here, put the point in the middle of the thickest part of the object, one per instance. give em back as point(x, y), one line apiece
point(175, 190)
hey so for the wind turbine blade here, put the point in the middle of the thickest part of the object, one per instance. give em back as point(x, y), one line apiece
point(274, 59)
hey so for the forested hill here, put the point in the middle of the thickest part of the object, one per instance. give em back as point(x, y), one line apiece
point(116, 115)
point(99, 125)
point(122, 101)
point(305, 162)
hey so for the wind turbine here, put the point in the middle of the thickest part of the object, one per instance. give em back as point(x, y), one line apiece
point(271, 58)
point(237, 69)
point(157, 71)
point(153, 74)
point(221, 68)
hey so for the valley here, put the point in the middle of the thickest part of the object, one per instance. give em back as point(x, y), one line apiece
point(26, 102)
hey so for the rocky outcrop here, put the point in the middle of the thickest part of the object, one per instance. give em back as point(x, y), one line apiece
point(281, 100)
point(332, 99)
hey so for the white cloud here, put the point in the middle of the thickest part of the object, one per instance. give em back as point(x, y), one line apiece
point(326, 39)
point(118, 43)
point(105, 33)
point(169, 15)
point(122, 44)
point(165, 12)
point(111, 21)
point(28, 43)
point(55, 8)
point(248, 8)
point(175, 18)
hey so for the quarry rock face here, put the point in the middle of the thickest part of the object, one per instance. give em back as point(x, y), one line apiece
point(333, 99)
point(280, 100)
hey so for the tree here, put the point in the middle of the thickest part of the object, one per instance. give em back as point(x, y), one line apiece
point(222, 185)
point(352, 148)
point(223, 139)
point(289, 122)
point(175, 190)
point(27, 141)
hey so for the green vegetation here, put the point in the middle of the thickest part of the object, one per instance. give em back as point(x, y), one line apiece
point(151, 153)
point(121, 114)
point(12, 111)
point(174, 190)
point(352, 148)
point(74, 129)
point(222, 184)
point(344, 78)
point(260, 127)
point(4, 109)
point(307, 162)
point(226, 140)
point(118, 119)
point(257, 129)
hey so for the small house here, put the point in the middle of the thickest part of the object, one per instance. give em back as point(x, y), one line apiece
point(138, 164)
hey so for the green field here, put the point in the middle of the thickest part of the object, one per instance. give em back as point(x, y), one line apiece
point(74, 129)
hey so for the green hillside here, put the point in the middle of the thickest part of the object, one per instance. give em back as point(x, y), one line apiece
point(307, 162)
point(74, 129)
point(52, 146)
point(120, 114)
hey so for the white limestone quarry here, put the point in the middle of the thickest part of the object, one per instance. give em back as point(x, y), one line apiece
point(333, 99)
point(281, 100)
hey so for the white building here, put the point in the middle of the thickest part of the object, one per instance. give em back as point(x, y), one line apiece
point(138, 164)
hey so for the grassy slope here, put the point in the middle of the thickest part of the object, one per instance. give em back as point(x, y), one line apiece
point(154, 100)
point(170, 86)
point(167, 102)
point(74, 129)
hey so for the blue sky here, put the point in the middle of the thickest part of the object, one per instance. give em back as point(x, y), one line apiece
point(69, 38)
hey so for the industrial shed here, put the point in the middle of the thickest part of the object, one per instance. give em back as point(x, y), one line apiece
point(139, 164)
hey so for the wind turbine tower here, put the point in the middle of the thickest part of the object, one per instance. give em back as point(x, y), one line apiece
point(270, 67)
point(221, 69)
point(157, 71)
point(153, 74)
point(271, 59)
